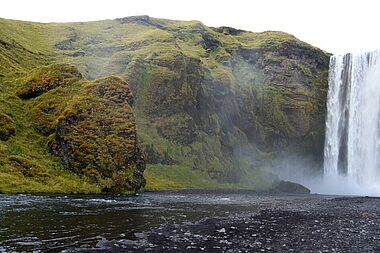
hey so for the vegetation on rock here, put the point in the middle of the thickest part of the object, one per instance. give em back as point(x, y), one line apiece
point(96, 137)
point(7, 128)
point(214, 107)
point(47, 78)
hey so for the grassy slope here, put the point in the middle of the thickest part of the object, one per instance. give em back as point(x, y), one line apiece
point(33, 44)
point(25, 163)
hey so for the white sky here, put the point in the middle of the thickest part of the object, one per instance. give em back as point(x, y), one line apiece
point(336, 26)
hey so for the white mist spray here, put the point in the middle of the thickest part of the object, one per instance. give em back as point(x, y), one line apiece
point(352, 145)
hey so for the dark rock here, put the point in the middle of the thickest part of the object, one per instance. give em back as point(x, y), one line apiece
point(210, 43)
point(228, 30)
point(68, 43)
point(289, 187)
point(78, 54)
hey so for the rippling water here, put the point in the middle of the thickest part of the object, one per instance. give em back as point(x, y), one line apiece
point(38, 223)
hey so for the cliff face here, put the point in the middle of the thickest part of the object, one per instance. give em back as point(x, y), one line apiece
point(217, 102)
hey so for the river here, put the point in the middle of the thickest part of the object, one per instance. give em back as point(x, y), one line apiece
point(195, 221)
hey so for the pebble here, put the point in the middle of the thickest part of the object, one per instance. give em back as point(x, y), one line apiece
point(222, 230)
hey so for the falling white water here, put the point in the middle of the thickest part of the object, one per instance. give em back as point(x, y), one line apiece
point(352, 144)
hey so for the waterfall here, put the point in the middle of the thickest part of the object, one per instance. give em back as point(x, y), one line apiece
point(352, 141)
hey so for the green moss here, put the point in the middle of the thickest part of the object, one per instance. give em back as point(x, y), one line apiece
point(7, 128)
point(27, 168)
point(46, 78)
point(17, 183)
point(15, 59)
point(176, 177)
point(46, 109)
point(265, 39)
point(96, 136)
point(177, 127)
point(162, 177)
point(15, 150)
point(305, 71)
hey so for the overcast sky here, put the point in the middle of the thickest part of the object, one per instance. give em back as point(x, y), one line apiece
point(336, 26)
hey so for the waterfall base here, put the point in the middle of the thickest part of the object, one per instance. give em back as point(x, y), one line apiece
point(342, 185)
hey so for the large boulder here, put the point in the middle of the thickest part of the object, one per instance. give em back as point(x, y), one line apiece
point(96, 137)
point(289, 187)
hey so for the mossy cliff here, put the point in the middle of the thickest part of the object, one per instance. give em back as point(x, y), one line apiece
point(214, 107)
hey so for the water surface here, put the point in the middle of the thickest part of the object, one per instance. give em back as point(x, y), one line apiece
point(57, 223)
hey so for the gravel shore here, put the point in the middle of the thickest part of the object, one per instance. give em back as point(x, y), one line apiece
point(322, 225)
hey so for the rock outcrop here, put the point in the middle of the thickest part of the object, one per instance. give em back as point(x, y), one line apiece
point(96, 137)
point(90, 124)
